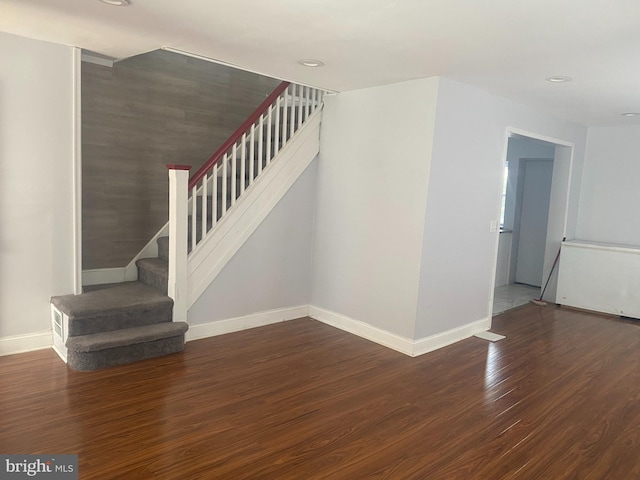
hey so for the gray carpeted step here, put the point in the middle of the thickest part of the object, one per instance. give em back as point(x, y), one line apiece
point(127, 305)
point(154, 272)
point(101, 350)
point(163, 248)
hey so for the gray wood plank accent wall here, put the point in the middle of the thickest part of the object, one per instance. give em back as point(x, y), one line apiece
point(143, 113)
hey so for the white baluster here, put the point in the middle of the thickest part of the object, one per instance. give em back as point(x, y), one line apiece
point(260, 141)
point(307, 106)
point(194, 207)
point(214, 195)
point(284, 118)
point(314, 103)
point(243, 164)
point(269, 119)
point(234, 176)
point(225, 161)
point(276, 146)
point(205, 200)
point(292, 111)
point(252, 152)
point(300, 97)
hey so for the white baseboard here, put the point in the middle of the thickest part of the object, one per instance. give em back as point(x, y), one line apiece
point(41, 340)
point(260, 319)
point(439, 340)
point(362, 329)
point(402, 344)
point(100, 276)
point(25, 343)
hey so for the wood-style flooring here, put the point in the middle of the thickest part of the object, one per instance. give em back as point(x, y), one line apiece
point(559, 398)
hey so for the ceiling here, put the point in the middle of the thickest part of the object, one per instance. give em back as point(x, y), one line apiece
point(505, 47)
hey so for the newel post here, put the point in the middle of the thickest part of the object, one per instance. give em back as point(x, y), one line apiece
point(178, 212)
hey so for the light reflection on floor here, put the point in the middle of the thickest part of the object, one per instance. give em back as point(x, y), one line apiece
point(492, 368)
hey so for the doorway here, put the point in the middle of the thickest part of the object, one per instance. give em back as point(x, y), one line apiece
point(532, 215)
point(534, 203)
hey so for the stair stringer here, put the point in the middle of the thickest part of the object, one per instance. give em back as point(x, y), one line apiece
point(150, 250)
point(234, 229)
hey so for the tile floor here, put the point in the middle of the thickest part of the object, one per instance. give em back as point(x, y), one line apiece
point(507, 297)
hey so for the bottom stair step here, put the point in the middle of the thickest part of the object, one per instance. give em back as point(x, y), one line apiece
point(107, 349)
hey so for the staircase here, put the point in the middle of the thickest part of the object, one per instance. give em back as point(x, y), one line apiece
point(115, 324)
point(111, 325)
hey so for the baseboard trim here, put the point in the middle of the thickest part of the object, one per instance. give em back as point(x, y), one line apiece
point(362, 329)
point(443, 339)
point(99, 276)
point(25, 343)
point(260, 319)
point(38, 341)
point(399, 343)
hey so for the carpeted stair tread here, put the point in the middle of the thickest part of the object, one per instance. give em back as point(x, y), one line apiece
point(125, 337)
point(92, 352)
point(157, 265)
point(154, 272)
point(115, 298)
point(163, 248)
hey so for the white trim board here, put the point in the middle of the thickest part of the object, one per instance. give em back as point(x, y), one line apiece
point(413, 348)
point(77, 172)
point(362, 329)
point(230, 325)
point(399, 343)
point(100, 276)
point(444, 339)
point(25, 343)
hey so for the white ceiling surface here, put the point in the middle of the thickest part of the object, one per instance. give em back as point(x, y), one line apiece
point(506, 47)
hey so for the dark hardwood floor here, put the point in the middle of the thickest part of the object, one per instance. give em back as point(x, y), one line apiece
point(558, 399)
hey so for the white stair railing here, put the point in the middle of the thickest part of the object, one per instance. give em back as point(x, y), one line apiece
point(224, 178)
point(230, 172)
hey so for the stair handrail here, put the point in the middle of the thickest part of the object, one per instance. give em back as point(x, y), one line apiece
point(242, 129)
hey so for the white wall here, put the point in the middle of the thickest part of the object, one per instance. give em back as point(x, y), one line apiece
point(375, 150)
point(610, 191)
point(459, 251)
point(504, 259)
point(36, 186)
point(272, 269)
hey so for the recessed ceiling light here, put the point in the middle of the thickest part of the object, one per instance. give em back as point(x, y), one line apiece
point(309, 62)
point(559, 79)
point(117, 3)
point(630, 114)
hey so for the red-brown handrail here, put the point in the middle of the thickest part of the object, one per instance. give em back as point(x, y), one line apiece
point(216, 157)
